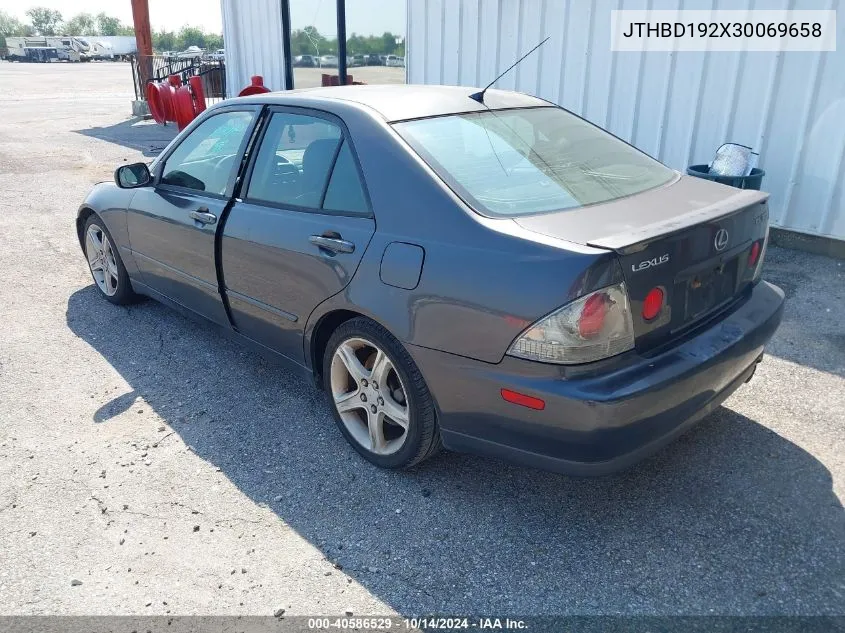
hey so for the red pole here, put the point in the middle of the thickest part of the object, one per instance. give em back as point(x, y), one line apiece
point(143, 38)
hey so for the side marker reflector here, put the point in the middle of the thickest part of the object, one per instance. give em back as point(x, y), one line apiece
point(523, 400)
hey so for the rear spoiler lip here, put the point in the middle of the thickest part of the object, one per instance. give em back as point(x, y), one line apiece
point(632, 241)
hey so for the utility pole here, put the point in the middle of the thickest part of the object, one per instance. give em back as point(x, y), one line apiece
point(143, 39)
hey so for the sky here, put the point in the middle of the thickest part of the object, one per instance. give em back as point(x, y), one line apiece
point(167, 14)
point(365, 17)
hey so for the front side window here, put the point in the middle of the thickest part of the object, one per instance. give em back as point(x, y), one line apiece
point(304, 162)
point(531, 160)
point(207, 159)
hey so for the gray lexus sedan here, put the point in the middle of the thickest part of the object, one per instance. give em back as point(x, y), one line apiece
point(492, 275)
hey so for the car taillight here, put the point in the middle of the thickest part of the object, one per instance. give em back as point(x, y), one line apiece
point(754, 255)
point(653, 304)
point(760, 247)
point(596, 326)
point(593, 314)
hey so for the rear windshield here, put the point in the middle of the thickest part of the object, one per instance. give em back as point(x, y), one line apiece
point(532, 160)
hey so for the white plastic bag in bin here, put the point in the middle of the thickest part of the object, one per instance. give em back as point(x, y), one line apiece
point(733, 159)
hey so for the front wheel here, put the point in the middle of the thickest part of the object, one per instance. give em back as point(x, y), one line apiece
point(105, 264)
point(380, 401)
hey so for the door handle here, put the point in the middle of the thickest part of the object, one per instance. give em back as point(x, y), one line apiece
point(202, 216)
point(333, 244)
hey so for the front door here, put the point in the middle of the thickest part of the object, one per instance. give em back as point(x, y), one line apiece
point(298, 233)
point(172, 224)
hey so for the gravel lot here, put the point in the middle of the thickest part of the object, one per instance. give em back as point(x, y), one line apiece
point(174, 472)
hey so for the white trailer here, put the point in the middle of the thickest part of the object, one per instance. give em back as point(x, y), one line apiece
point(121, 46)
point(100, 50)
point(37, 48)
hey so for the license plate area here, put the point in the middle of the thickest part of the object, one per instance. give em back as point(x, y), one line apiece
point(709, 288)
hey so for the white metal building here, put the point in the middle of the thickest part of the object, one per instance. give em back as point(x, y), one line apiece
point(253, 34)
point(677, 106)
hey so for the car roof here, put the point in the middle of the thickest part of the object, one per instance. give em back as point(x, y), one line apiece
point(397, 102)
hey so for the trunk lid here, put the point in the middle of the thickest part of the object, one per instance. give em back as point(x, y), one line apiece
point(691, 239)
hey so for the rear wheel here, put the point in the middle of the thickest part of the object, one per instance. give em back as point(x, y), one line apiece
point(380, 400)
point(106, 266)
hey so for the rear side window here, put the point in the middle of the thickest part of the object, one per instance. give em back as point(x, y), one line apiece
point(304, 161)
point(207, 158)
point(345, 192)
point(531, 160)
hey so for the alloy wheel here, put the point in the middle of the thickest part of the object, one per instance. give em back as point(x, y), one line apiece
point(101, 259)
point(369, 396)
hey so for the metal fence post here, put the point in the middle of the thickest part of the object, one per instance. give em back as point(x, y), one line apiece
point(341, 41)
point(286, 44)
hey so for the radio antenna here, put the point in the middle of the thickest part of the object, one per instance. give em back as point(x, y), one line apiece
point(479, 96)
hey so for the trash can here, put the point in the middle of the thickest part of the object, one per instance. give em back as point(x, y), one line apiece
point(751, 181)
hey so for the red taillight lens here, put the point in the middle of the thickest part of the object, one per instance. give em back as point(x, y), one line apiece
point(754, 255)
point(653, 304)
point(592, 317)
point(521, 399)
point(595, 326)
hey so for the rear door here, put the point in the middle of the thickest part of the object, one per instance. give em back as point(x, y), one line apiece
point(172, 224)
point(297, 232)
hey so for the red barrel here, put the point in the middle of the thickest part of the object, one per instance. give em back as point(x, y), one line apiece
point(256, 87)
point(184, 106)
point(154, 101)
point(199, 94)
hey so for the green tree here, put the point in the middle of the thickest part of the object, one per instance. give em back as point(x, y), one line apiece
point(10, 26)
point(308, 41)
point(107, 25)
point(45, 21)
point(213, 41)
point(187, 36)
point(164, 40)
point(387, 42)
point(384, 44)
point(81, 24)
point(190, 36)
point(357, 45)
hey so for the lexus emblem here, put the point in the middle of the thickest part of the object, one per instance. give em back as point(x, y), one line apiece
point(721, 241)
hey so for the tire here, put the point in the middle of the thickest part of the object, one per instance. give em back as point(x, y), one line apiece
point(420, 437)
point(117, 289)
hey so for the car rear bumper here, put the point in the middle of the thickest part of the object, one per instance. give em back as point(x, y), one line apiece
point(606, 420)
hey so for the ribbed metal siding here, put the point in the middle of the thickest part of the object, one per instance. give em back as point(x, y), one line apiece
point(252, 32)
point(678, 107)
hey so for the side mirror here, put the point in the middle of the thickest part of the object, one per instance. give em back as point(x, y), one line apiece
point(132, 176)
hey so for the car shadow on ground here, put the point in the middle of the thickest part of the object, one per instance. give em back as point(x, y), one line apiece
point(144, 135)
point(731, 518)
point(812, 332)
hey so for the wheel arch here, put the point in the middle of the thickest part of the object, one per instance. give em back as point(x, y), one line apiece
point(82, 216)
point(427, 440)
point(324, 320)
point(319, 336)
